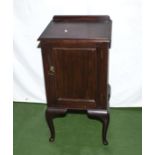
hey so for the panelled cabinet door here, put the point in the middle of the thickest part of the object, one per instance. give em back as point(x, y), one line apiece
point(75, 77)
point(73, 72)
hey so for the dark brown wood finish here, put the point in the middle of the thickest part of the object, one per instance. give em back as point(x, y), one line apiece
point(72, 18)
point(75, 53)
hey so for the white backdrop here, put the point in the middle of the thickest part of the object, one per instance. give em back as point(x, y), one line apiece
point(32, 16)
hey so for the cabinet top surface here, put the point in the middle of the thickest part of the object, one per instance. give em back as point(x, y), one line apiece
point(78, 27)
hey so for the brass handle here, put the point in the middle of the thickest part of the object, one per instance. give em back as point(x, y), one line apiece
point(51, 71)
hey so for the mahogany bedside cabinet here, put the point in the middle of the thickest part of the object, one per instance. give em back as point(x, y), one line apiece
point(75, 53)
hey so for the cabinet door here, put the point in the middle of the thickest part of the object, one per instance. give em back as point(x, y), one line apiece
point(74, 77)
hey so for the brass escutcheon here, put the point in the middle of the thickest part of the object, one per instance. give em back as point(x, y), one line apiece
point(52, 70)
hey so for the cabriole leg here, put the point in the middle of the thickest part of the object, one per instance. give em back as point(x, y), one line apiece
point(103, 116)
point(50, 114)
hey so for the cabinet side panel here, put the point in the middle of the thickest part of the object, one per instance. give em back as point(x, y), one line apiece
point(103, 76)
